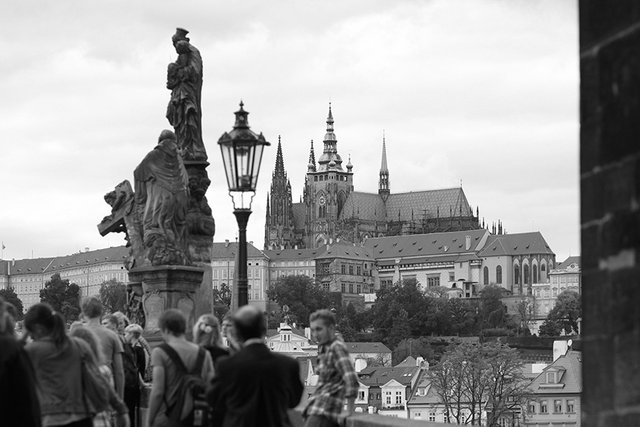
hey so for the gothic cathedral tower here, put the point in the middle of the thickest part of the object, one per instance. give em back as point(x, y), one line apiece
point(279, 227)
point(327, 187)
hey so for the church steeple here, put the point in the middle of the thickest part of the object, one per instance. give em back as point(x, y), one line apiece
point(383, 183)
point(330, 159)
point(279, 170)
point(279, 224)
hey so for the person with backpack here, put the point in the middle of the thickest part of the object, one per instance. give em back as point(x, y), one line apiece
point(181, 371)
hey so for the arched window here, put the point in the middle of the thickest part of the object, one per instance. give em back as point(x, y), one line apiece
point(542, 268)
point(486, 275)
point(516, 275)
point(499, 274)
point(535, 274)
point(527, 277)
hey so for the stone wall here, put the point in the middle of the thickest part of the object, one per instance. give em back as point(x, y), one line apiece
point(610, 215)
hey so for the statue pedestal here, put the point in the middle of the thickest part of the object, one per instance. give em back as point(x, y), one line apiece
point(163, 287)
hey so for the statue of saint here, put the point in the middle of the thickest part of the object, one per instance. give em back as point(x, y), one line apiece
point(184, 78)
point(161, 200)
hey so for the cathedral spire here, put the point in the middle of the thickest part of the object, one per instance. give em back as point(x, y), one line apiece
point(383, 183)
point(279, 170)
point(330, 159)
point(311, 167)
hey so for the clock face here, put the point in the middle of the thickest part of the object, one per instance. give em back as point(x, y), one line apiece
point(321, 201)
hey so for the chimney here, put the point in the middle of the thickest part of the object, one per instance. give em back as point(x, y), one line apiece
point(467, 242)
point(226, 243)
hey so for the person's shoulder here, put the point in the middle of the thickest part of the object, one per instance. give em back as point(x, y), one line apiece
point(338, 345)
point(10, 347)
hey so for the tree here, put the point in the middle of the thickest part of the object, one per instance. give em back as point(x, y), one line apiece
point(471, 378)
point(113, 296)
point(301, 295)
point(400, 329)
point(62, 296)
point(11, 297)
point(563, 316)
point(493, 312)
point(221, 300)
point(526, 309)
point(415, 347)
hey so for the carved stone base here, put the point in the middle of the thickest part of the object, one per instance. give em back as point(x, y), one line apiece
point(164, 287)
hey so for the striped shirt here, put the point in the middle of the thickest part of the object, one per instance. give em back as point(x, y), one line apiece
point(337, 381)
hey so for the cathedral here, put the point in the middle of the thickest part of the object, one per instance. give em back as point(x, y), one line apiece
point(330, 209)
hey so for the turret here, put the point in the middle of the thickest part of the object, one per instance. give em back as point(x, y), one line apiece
point(383, 183)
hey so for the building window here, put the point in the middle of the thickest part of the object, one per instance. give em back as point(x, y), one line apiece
point(432, 416)
point(499, 274)
point(351, 270)
point(535, 274)
point(398, 398)
point(570, 406)
point(361, 395)
point(516, 275)
point(486, 275)
point(358, 271)
point(532, 407)
point(433, 280)
point(452, 277)
point(551, 377)
point(343, 288)
point(543, 407)
point(350, 288)
point(388, 397)
point(557, 406)
point(527, 278)
point(343, 269)
point(325, 286)
point(359, 289)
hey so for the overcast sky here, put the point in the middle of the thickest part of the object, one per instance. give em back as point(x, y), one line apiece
point(483, 92)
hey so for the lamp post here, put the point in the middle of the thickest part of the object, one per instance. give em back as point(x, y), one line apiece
point(242, 151)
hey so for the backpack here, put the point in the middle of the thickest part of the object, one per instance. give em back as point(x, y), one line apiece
point(190, 407)
point(95, 388)
point(130, 367)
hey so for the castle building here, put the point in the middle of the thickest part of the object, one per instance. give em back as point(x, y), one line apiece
point(330, 208)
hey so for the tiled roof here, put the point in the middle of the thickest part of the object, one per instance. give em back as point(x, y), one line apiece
point(52, 265)
point(516, 244)
point(224, 250)
point(417, 245)
point(339, 250)
point(367, 347)
point(408, 361)
point(365, 206)
point(567, 262)
point(428, 203)
point(376, 375)
point(294, 254)
point(299, 215)
point(570, 366)
point(430, 397)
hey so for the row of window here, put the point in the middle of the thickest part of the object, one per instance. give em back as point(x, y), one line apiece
point(327, 177)
point(541, 407)
point(358, 288)
point(349, 267)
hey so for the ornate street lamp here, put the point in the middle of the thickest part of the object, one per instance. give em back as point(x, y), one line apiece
point(242, 154)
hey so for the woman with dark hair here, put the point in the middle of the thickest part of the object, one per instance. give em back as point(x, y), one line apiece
point(207, 334)
point(57, 362)
point(18, 399)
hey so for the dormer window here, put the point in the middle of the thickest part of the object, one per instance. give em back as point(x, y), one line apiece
point(551, 377)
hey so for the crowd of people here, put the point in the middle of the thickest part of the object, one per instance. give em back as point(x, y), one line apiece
point(193, 377)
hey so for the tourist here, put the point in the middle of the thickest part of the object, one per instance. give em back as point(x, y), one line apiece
point(173, 326)
point(19, 405)
point(337, 380)
point(110, 322)
point(57, 362)
point(133, 359)
point(228, 334)
point(109, 341)
point(102, 419)
point(254, 387)
point(206, 333)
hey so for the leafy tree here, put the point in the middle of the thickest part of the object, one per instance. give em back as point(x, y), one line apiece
point(10, 296)
point(400, 329)
point(222, 300)
point(415, 347)
point(113, 296)
point(301, 295)
point(62, 296)
point(563, 316)
point(462, 316)
point(493, 312)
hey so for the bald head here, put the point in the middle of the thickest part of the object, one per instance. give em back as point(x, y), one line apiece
point(249, 323)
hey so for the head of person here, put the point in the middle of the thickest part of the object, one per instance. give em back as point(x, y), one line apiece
point(172, 322)
point(123, 321)
point(323, 326)
point(132, 333)
point(8, 314)
point(78, 330)
point(110, 322)
point(249, 323)
point(180, 35)
point(41, 321)
point(206, 331)
point(91, 307)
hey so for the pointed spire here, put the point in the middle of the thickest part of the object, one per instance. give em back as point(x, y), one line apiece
point(279, 161)
point(383, 182)
point(383, 166)
point(311, 167)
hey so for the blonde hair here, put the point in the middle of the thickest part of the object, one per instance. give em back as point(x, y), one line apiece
point(206, 331)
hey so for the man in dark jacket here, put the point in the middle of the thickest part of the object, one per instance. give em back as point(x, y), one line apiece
point(254, 386)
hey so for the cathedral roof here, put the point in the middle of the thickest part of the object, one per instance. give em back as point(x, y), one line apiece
point(516, 244)
point(430, 203)
point(365, 206)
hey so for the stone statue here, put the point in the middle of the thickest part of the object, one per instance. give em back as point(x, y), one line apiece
point(161, 201)
point(184, 78)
